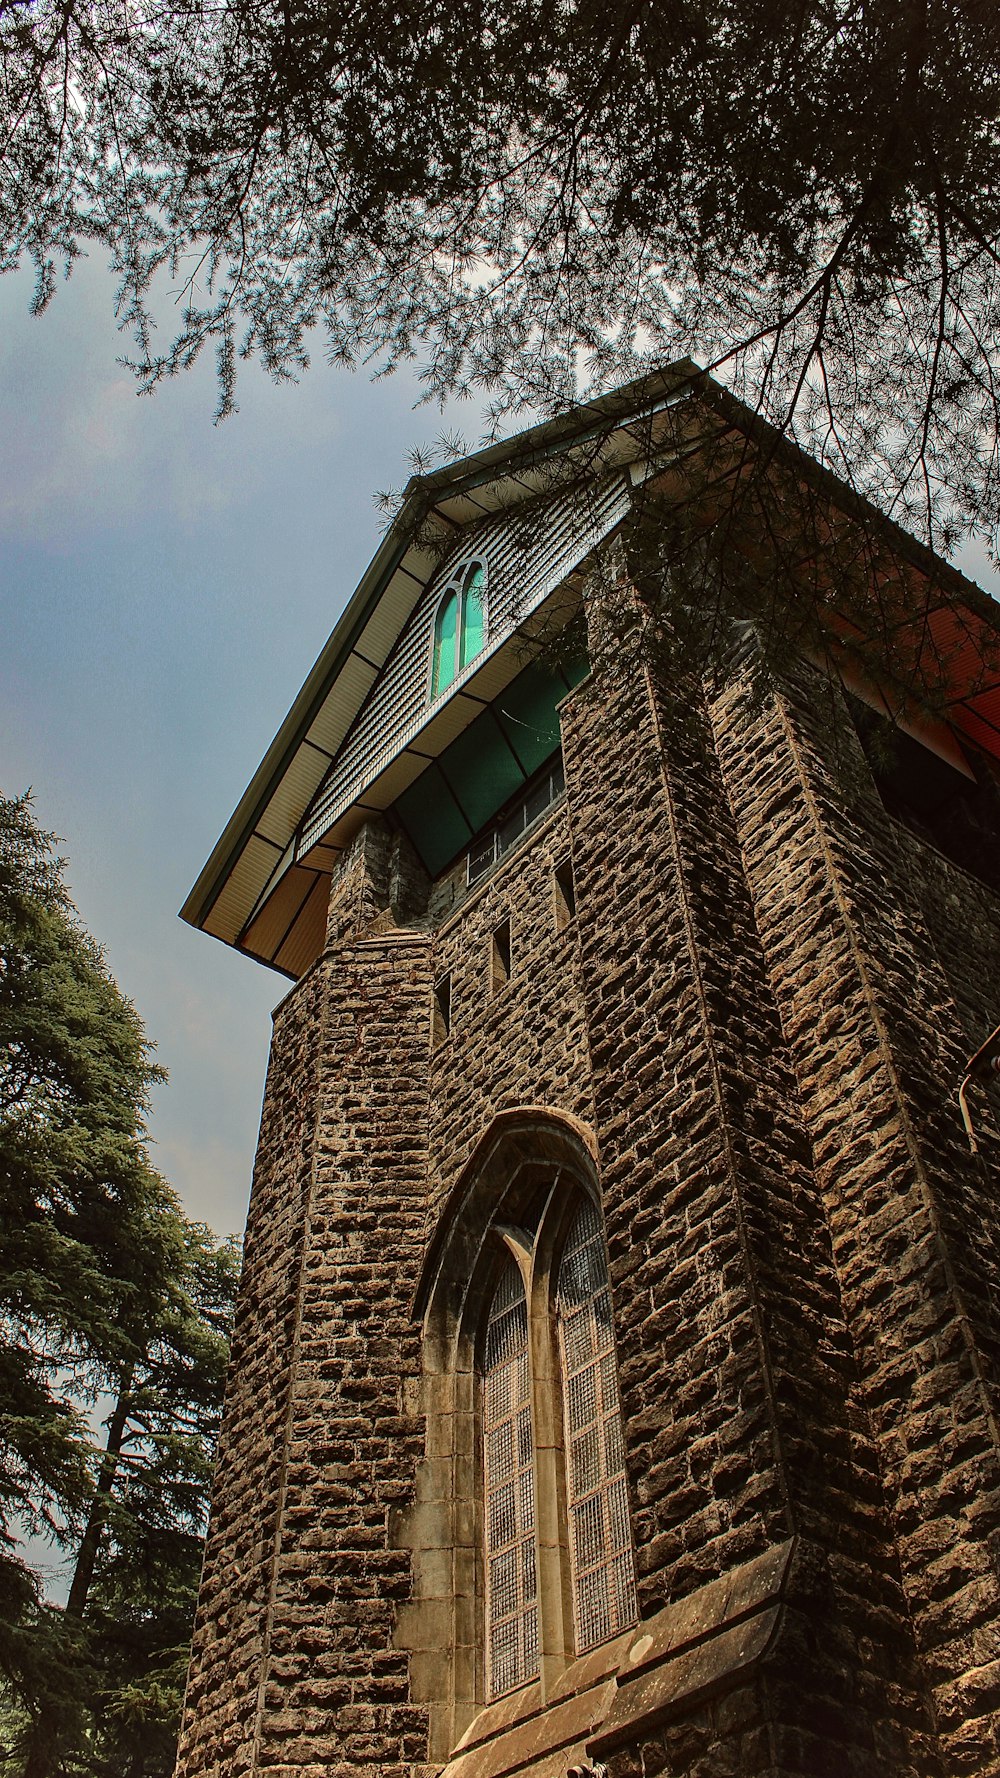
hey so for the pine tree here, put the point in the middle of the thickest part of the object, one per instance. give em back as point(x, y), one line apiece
point(112, 1305)
point(84, 1248)
point(126, 1625)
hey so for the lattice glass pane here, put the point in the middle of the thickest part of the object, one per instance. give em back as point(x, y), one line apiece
point(618, 1514)
point(602, 1326)
point(578, 1334)
point(581, 1397)
point(614, 1447)
point(582, 1273)
point(501, 1450)
point(503, 1583)
point(508, 1463)
point(526, 1482)
point(502, 1516)
point(585, 1458)
point(521, 1377)
point(524, 1445)
point(622, 1589)
point(600, 1541)
point(504, 1657)
point(589, 1540)
point(593, 1613)
point(529, 1579)
point(498, 1394)
point(609, 1376)
point(529, 1647)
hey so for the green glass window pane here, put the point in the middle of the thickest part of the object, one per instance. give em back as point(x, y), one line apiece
point(528, 716)
point(485, 767)
point(445, 637)
point(481, 770)
point(473, 618)
point(432, 819)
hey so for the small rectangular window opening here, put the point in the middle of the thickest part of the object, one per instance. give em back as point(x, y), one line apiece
point(500, 956)
point(539, 797)
point(565, 894)
point(482, 856)
point(441, 1021)
point(955, 811)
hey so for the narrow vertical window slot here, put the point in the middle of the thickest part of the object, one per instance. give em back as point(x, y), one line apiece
point(565, 891)
point(441, 1017)
point(500, 956)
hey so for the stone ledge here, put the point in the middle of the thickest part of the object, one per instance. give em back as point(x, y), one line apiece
point(688, 1652)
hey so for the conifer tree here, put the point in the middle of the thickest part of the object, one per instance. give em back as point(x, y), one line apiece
point(83, 1245)
point(114, 1322)
point(108, 1699)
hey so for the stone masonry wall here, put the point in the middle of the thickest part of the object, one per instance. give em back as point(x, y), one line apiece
point(223, 1700)
point(293, 1667)
point(877, 1046)
point(520, 1044)
point(743, 1424)
point(335, 1695)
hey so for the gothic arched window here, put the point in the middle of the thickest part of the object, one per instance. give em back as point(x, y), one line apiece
point(549, 1385)
point(459, 625)
point(520, 1536)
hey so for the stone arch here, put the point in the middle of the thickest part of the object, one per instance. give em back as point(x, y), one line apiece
point(515, 1140)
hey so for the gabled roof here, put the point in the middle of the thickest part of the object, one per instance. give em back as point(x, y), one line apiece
point(258, 890)
point(254, 846)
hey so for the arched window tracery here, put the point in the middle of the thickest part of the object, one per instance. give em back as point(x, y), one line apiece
point(459, 626)
point(514, 1269)
point(568, 1407)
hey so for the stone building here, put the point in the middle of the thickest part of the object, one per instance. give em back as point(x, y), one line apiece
point(614, 1382)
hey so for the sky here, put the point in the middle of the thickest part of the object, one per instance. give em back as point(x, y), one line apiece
point(165, 586)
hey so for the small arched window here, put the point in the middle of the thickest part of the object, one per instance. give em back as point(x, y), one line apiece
point(459, 626)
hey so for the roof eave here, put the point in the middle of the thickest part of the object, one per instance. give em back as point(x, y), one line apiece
point(255, 799)
point(419, 498)
point(426, 495)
